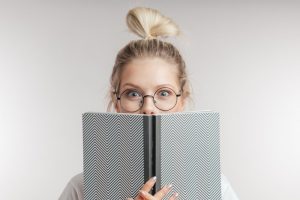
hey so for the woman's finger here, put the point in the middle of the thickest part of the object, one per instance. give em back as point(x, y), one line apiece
point(162, 192)
point(174, 196)
point(149, 184)
point(146, 195)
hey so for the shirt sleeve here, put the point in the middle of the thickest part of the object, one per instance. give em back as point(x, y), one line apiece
point(227, 191)
point(74, 189)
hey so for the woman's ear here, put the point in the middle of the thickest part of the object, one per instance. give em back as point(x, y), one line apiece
point(181, 105)
point(117, 107)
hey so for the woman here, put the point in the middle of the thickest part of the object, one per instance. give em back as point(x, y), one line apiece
point(145, 72)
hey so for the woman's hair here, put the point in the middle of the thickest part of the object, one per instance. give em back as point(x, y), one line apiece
point(152, 26)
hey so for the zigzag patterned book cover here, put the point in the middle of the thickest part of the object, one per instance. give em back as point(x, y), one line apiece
point(122, 151)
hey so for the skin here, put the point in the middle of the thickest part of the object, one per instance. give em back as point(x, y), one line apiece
point(147, 75)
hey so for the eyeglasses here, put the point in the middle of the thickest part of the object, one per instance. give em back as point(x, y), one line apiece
point(164, 99)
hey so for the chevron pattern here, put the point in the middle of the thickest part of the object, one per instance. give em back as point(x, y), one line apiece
point(113, 158)
point(113, 150)
point(190, 155)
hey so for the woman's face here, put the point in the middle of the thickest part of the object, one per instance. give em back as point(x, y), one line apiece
point(145, 76)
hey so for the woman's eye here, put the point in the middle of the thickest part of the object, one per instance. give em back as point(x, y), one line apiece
point(133, 94)
point(164, 93)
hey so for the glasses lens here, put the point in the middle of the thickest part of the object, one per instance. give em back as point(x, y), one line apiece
point(131, 100)
point(165, 99)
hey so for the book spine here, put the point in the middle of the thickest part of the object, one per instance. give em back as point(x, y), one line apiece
point(157, 151)
point(152, 149)
point(148, 147)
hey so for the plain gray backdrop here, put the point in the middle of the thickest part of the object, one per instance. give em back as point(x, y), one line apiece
point(243, 60)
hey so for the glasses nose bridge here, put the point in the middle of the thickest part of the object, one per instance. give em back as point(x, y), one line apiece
point(148, 107)
point(148, 95)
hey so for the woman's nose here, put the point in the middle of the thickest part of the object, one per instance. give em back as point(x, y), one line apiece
point(148, 106)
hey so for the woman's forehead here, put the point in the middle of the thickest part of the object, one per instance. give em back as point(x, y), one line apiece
point(149, 73)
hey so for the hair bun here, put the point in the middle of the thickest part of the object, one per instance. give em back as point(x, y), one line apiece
point(149, 23)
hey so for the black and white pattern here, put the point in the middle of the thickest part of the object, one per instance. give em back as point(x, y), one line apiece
point(113, 155)
point(190, 158)
point(187, 154)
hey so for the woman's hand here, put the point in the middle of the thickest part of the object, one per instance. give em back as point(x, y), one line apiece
point(145, 195)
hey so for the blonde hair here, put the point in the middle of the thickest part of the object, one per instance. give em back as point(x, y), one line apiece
point(152, 26)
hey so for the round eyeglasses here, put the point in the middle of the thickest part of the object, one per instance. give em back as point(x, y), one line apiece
point(164, 99)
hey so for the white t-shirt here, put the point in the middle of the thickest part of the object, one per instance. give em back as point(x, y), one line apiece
point(74, 189)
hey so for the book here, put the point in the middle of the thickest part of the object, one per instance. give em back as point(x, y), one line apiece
point(122, 151)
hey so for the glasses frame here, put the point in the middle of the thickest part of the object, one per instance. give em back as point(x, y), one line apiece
point(143, 96)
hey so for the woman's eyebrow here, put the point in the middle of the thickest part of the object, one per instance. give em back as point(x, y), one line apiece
point(132, 85)
point(157, 87)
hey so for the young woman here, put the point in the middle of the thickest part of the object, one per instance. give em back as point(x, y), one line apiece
point(149, 77)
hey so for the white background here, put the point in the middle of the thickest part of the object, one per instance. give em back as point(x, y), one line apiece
point(56, 57)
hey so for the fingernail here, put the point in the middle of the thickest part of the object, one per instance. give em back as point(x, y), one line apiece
point(176, 194)
point(142, 192)
point(154, 178)
point(169, 186)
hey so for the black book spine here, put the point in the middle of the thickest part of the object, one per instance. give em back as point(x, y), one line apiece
point(148, 147)
point(152, 149)
point(157, 151)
